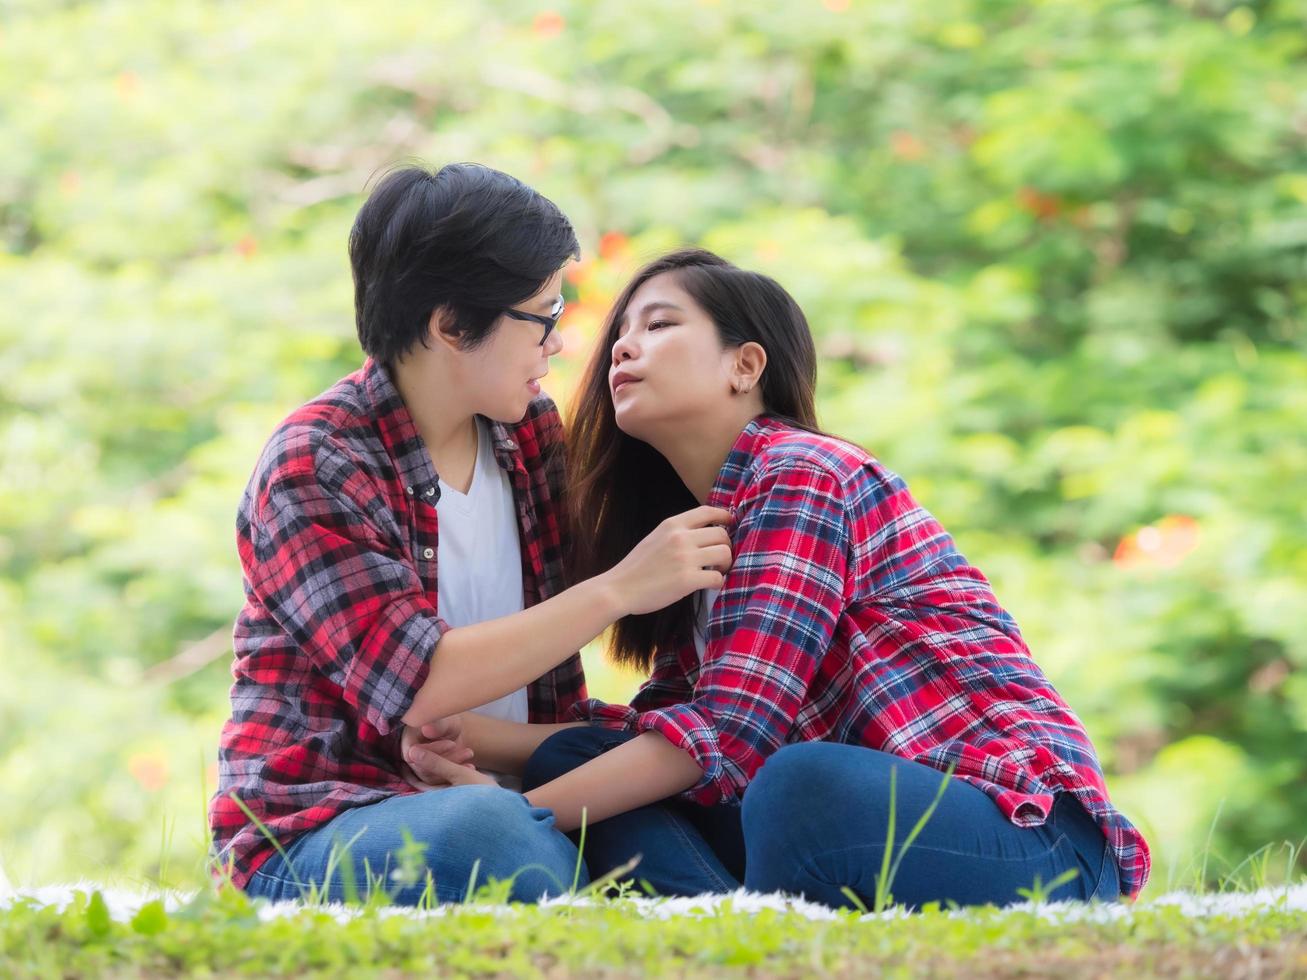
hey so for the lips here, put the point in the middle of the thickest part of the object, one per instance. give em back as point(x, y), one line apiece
point(620, 380)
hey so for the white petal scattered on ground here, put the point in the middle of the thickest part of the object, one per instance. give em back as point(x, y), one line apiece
point(124, 903)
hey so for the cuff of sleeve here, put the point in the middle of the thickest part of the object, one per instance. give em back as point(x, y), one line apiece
point(615, 716)
point(693, 732)
point(393, 662)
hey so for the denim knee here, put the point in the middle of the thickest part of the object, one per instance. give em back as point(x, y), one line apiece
point(495, 812)
point(515, 839)
point(491, 807)
point(568, 749)
point(782, 780)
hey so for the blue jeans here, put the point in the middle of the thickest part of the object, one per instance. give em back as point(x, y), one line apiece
point(815, 820)
point(456, 827)
point(683, 849)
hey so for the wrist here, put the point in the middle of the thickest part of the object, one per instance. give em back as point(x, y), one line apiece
point(471, 729)
point(607, 592)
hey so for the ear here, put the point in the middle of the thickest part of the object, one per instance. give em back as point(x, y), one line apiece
point(749, 362)
point(443, 330)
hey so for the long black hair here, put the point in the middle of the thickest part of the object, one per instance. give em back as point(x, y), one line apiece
point(620, 487)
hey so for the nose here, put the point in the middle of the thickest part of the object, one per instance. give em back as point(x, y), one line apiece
point(554, 342)
point(623, 349)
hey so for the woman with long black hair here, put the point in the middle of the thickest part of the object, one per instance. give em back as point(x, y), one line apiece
point(853, 659)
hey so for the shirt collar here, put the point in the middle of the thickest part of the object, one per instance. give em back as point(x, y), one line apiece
point(751, 441)
point(507, 451)
point(400, 436)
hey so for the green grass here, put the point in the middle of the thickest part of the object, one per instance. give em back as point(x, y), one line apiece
point(221, 934)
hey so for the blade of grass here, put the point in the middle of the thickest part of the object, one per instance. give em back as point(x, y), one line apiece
point(605, 880)
point(921, 823)
point(580, 850)
point(472, 880)
point(882, 879)
point(1207, 848)
point(263, 829)
point(348, 882)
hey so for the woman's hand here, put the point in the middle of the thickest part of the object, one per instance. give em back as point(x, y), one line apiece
point(442, 739)
point(683, 554)
point(444, 736)
point(436, 771)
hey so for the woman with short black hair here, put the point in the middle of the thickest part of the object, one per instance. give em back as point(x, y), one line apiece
point(400, 546)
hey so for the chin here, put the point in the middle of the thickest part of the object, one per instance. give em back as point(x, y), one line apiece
point(628, 423)
point(509, 414)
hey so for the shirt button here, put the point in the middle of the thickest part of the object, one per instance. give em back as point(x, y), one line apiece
point(431, 492)
point(428, 553)
point(409, 491)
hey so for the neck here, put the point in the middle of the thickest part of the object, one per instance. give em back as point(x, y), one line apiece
point(440, 412)
point(698, 451)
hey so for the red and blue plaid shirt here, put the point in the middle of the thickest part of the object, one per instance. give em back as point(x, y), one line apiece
point(337, 536)
point(849, 616)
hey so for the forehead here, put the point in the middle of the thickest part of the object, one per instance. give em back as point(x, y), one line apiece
point(663, 286)
point(662, 290)
point(551, 290)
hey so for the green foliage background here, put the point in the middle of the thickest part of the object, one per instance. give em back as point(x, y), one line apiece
point(1055, 254)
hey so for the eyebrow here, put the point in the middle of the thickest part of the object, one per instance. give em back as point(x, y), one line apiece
point(647, 309)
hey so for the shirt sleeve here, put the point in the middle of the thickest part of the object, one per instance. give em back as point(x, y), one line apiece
point(774, 621)
point(341, 587)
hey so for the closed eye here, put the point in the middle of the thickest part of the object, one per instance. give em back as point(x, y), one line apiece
point(658, 324)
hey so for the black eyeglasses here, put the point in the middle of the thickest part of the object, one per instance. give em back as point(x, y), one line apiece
point(548, 322)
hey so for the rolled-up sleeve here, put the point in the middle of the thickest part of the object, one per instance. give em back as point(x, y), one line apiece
point(774, 620)
point(341, 586)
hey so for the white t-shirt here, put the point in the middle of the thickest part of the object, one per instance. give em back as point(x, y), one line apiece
point(706, 599)
point(479, 561)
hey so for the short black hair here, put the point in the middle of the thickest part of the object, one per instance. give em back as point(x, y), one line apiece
point(467, 237)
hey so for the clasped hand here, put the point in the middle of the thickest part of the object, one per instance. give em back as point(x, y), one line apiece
point(434, 756)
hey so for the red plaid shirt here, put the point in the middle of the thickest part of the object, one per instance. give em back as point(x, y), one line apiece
point(849, 616)
point(337, 536)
